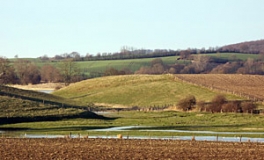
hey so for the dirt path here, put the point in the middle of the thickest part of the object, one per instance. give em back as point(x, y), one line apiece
point(63, 148)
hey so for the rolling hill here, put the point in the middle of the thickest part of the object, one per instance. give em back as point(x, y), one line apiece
point(135, 90)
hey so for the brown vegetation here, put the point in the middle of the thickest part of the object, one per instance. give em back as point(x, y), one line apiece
point(187, 103)
point(247, 47)
point(83, 148)
point(249, 86)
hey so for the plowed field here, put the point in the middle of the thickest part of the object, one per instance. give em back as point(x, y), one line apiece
point(94, 149)
point(249, 86)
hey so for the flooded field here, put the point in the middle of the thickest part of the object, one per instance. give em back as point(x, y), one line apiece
point(237, 136)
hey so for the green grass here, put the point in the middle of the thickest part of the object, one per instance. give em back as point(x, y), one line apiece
point(166, 120)
point(16, 110)
point(136, 90)
point(18, 105)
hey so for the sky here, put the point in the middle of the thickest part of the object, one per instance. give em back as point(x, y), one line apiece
point(33, 28)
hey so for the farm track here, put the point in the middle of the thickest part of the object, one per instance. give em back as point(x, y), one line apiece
point(248, 86)
point(83, 148)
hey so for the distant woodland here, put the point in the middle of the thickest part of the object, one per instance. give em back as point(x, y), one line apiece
point(21, 71)
point(252, 47)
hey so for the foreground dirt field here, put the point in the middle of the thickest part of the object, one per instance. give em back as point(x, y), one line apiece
point(62, 148)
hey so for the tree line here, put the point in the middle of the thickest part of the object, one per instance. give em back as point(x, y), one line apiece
point(205, 64)
point(26, 72)
point(127, 52)
point(132, 53)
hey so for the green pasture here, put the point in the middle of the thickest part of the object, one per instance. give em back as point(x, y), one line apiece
point(164, 120)
point(131, 64)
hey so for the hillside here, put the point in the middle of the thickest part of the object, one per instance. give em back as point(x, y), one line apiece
point(17, 106)
point(249, 86)
point(135, 90)
point(35, 96)
point(245, 47)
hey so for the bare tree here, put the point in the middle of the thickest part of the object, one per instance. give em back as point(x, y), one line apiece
point(231, 107)
point(185, 54)
point(217, 102)
point(201, 63)
point(7, 73)
point(69, 71)
point(27, 72)
point(50, 74)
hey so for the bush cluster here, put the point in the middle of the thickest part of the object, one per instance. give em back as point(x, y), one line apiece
point(218, 104)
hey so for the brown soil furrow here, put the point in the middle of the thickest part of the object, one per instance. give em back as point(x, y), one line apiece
point(62, 148)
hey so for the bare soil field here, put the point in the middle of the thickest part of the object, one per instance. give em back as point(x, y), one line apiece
point(94, 149)
point(249, 86)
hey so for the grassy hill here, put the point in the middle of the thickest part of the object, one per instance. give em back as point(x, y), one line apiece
point(135, 90)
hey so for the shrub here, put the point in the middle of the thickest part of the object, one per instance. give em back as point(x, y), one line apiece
point(231, 107)
point(187, 103)
point(217, 103)
point(248, 107)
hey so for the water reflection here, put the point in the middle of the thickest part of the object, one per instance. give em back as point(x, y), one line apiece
point(46, 91)
point(140, 128)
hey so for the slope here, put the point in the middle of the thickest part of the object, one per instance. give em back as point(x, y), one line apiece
point(18, 105)
point(135, 90)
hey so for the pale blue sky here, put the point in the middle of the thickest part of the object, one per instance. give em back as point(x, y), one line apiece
point(32, 28)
